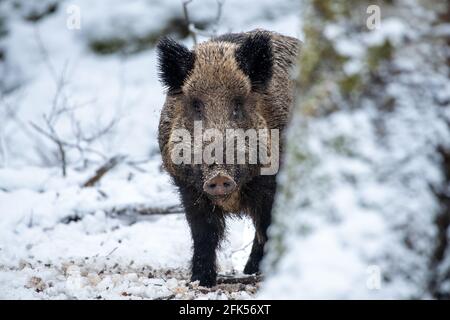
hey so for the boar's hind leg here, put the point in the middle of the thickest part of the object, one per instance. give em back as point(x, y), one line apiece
point(257, 253)
point(261, 215)
point(207, 228)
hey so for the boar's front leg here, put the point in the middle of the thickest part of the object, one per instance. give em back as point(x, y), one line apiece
point(261, 204)
point(207, 225)
point(207, 228)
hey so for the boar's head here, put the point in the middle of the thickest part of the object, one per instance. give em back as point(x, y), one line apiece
point(221, 86)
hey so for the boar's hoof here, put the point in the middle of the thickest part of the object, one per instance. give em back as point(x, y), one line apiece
point(205, 280)
point(251, 267)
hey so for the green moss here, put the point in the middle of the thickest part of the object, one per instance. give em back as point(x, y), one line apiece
point(175, 27)
point(325, 9)
point(277, 249)
point(319, 59)
point(299, 156)
point(317, 54)
point(331, 10)
point(309, 57)
point(350, 84)
point(308, 108)
point(107, 46)
point(342, 145)
point(378, 54)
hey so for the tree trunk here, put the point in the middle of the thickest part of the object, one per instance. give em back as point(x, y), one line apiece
point(363, 205)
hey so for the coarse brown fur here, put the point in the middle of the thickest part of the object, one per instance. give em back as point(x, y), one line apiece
point(232, 81)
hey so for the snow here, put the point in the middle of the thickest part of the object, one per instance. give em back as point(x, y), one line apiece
point(36, 240)
point(59, 240)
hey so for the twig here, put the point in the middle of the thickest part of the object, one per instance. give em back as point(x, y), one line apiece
point(191, 26)
point(112, 251)
point(50, 136)
point(242, 248)
point(59, 143)
point(193, 30)
point(100, 172)
point(11, 113)
point(220, 4)
point(44, 53)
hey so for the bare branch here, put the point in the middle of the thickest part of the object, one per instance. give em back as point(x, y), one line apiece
point(190, 25)
point(60, 107)
point(11, 115)
point(60, 145)
point(52, 135)
point(220, 4)
point(99, 133)
point(44, 53)
point(193, 30)
point(100, 172)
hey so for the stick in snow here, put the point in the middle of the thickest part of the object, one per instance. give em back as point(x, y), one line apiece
point(100, 172)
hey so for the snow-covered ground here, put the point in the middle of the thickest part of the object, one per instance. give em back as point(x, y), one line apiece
point(58, 239)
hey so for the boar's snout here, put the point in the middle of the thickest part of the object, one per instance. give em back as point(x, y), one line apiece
point(219, 185)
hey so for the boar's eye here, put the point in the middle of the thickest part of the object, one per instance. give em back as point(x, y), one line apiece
point(237, 111)
point(197, 107)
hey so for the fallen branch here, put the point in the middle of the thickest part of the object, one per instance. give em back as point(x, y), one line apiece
point(145, 210)
point(100, 172)
point(128, 211)
point(169, 297)
point(252, 279)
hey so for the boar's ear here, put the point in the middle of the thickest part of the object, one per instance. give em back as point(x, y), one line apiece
point(175, 62)
point(254, 56)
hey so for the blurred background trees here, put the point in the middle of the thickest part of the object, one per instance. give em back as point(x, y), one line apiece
point(364, 197)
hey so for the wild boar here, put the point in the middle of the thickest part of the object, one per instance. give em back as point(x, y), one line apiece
point(239, 82)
